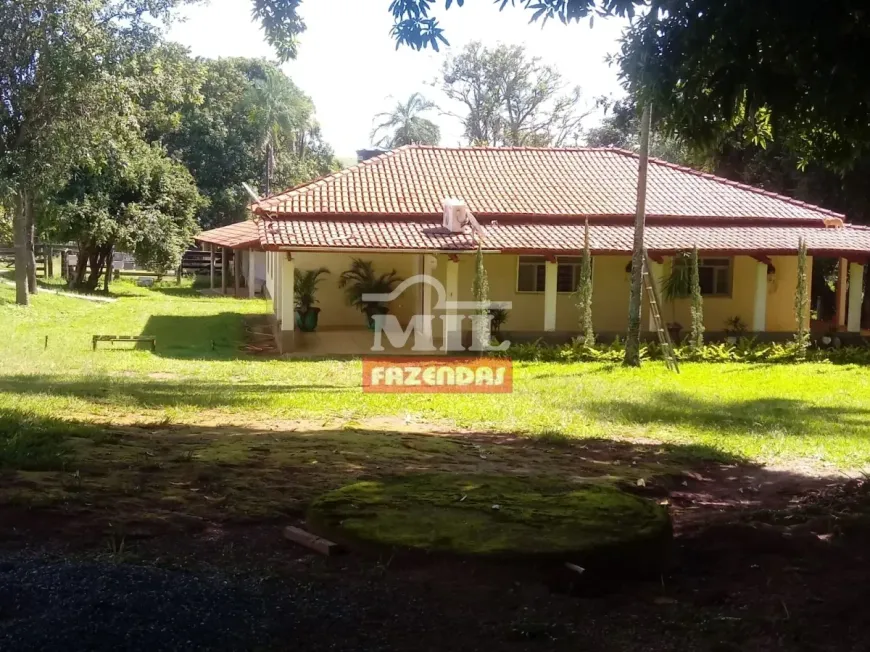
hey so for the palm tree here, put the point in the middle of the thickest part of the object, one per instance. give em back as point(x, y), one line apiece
point(405, 126)
point(284, 111)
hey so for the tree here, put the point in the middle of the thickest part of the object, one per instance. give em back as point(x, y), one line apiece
point(136, 199)
point(283, 112)
point(480, 292)
point(584, 291)
point(222, 136)
point(801, 301)
point(620, 128)
point(57, 79)
point(511, 99)
point(771, 70)
point(405, 125)
point(696, 335)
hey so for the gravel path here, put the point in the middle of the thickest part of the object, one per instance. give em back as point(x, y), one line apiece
point(71, 606)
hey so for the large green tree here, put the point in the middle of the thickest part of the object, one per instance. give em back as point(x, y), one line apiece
point(405, 124)
point(134, 198)
point(509, 98)
point(59, 64)
point(249, 122)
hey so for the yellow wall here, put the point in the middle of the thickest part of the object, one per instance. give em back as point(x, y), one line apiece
point(334, 311)
point(609, 301)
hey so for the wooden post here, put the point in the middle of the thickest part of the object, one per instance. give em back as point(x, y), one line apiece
point(48, 255)
point(632, 341)
point(211, 266)
point(237, 272)
point(110, 265)
point(224, 269)
point(64, 264)
point(252, 273)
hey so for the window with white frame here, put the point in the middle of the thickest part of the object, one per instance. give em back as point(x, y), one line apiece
point(532, 274)
point(714, 275)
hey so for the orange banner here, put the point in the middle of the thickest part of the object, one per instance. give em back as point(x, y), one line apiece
point(437, 374)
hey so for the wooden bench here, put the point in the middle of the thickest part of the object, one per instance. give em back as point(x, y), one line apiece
point(125, 338)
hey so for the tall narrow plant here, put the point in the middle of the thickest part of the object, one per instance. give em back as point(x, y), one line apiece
point(696, 337)
point(801, 299)
point(584, 291)
point(480, 290)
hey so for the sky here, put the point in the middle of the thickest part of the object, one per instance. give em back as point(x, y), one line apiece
point(348, 63)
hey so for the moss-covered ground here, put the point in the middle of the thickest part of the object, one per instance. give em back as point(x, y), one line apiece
point(490, 515)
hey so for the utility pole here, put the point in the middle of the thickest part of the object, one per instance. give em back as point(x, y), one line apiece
point(632, 342)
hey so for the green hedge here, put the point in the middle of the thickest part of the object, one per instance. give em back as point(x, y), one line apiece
point(744, 350)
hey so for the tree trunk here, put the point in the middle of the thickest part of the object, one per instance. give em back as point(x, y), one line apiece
point(632, 342)
point(270, 163)
point(110, 259)
point(19, 225)
point(31, 238)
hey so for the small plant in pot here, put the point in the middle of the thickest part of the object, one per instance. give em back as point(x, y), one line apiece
point(305, 290)
point(499, 317)
point(677, 285)
point(735, 328)
point(361, 279)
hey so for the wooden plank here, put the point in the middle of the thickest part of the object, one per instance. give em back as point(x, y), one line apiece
point(312, 542)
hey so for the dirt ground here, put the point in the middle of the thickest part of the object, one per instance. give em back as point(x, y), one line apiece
point(763, 559)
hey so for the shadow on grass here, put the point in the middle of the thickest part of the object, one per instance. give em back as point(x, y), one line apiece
point(133, 473)
point(217, 336)
point(788, 416)
point(158, 393)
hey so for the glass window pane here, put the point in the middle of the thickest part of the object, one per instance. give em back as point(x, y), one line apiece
point(565, 278)
point(526, 278)
point(705, 276)
point(722, 281)
point(540, 277)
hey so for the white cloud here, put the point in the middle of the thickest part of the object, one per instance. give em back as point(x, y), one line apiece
point(349, 65)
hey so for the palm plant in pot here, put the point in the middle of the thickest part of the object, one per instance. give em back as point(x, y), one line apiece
point(677, 285)
point(362, 279)
point(305, 290)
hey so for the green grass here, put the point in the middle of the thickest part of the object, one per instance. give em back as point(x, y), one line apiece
point(816, 413)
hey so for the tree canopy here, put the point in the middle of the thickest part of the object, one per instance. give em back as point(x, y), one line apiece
point(510, 98)
point(405, 124)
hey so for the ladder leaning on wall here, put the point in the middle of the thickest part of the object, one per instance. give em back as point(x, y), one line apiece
point(652, 294)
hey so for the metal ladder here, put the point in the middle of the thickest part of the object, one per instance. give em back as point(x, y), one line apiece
point(652, 295)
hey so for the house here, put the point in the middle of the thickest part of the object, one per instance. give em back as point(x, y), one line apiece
point(532, 204)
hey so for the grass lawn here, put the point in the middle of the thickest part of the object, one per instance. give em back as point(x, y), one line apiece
point(200, 422)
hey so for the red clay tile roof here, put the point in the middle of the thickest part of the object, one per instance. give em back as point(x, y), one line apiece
point(517, 182)
point(242, 235)
point(558, 238)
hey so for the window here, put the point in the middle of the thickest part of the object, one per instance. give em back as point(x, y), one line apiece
point(531, 273)
point(715, 276)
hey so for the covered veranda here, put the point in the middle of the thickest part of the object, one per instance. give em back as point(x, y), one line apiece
point(234, 253)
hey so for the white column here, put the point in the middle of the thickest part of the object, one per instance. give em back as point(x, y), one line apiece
point(427, 266)
point(842, 267)
point(252, 272)
point(276, 283)
point(759, 310)
point(453, 328)
point(550, 295)
point(856, 297)
point(655, 273)
point(288, 303)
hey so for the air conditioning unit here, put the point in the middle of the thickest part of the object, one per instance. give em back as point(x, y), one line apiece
point(455, 215)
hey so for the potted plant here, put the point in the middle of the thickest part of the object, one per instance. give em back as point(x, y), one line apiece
point(304, 290)
point(677, 285)
point(735, 328)
point(499, 317)
point(361, 279)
